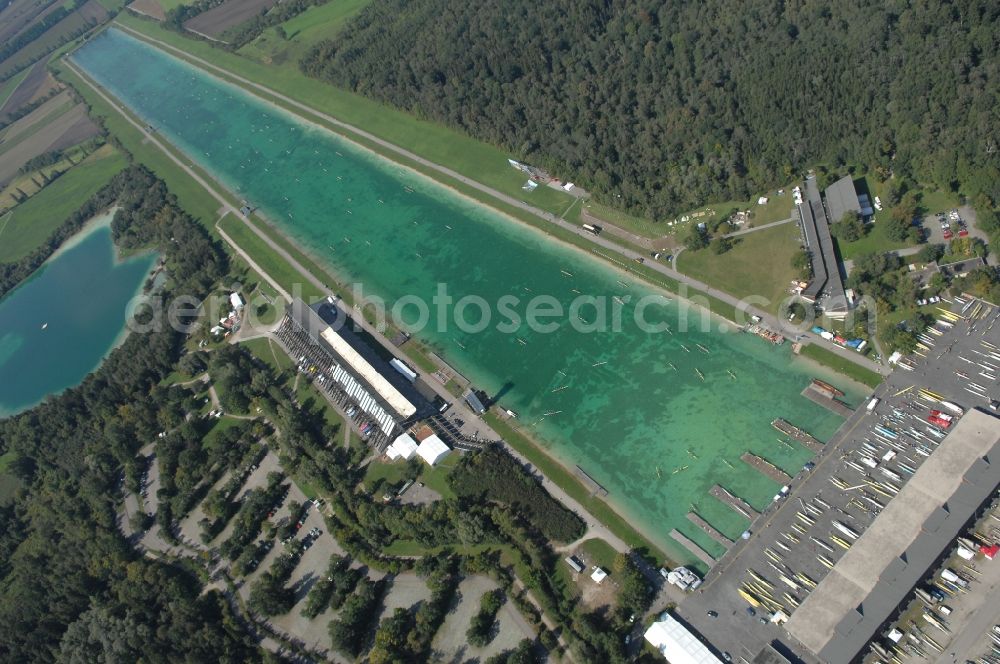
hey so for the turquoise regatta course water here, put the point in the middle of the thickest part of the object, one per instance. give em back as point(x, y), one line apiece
point(627, 406)
point(80, 296)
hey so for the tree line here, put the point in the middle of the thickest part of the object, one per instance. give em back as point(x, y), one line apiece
point(659, 107)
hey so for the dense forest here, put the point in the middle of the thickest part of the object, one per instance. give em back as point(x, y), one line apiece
point(71, 588)
point(672, 105)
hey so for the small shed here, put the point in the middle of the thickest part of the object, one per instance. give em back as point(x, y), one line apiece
point(236, 300)
point(433, 449)
point(474, 402)
point(598, 575)
point(575, 563)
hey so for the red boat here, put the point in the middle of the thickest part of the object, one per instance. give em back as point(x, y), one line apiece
point(940, 419)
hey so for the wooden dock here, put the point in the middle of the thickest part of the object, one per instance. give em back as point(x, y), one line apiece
point(797, 434)
point(709, 530)
point(823, 398)
point(699, 553)
point(741, 506)
point(766, 467)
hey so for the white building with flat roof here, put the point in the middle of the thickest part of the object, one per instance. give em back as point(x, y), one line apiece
point(677, 643)
point(404, 447)
point(432, 450)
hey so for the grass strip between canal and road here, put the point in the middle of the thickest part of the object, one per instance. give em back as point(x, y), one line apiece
point(841, 365)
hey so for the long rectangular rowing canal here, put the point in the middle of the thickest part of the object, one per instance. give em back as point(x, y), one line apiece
point(629, 406)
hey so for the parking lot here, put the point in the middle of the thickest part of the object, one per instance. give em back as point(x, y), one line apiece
point(797, 540)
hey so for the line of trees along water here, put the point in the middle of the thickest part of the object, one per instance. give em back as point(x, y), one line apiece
point(671, 105)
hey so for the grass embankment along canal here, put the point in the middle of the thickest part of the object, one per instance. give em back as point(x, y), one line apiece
point(191, 196)
point(841, 365)
point(29, 224)
point(479, 161)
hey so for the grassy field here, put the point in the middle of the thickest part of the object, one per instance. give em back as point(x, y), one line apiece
point(875, 241)
point(269, 352)
point(29, 182)
point(33, 221)
point(314, 24)
point(760, 264)
point(171, 4)
point(830, 359)
point(192, 196)
point(598, 552)
point(479, 161)
point(49, 40)
point(777, 208)
point(8, 86)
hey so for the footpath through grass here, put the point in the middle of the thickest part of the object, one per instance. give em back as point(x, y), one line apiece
point(30, 223)
point(850, 369)
point(269, 261)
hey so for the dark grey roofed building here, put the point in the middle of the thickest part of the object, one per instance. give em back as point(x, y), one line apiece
point(826, 287)
point(867, 585)
point(841, 198)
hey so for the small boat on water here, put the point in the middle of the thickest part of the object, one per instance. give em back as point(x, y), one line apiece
point(700, 374)
point(685, 348)
point(702, 348)
point(567, 274)
point(671, 365)
point(44, 325)
point(731, 374)
point(560, 389)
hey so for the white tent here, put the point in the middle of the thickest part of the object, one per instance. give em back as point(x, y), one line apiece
point(403, 447)
point(677, 644)
point(433, 450)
